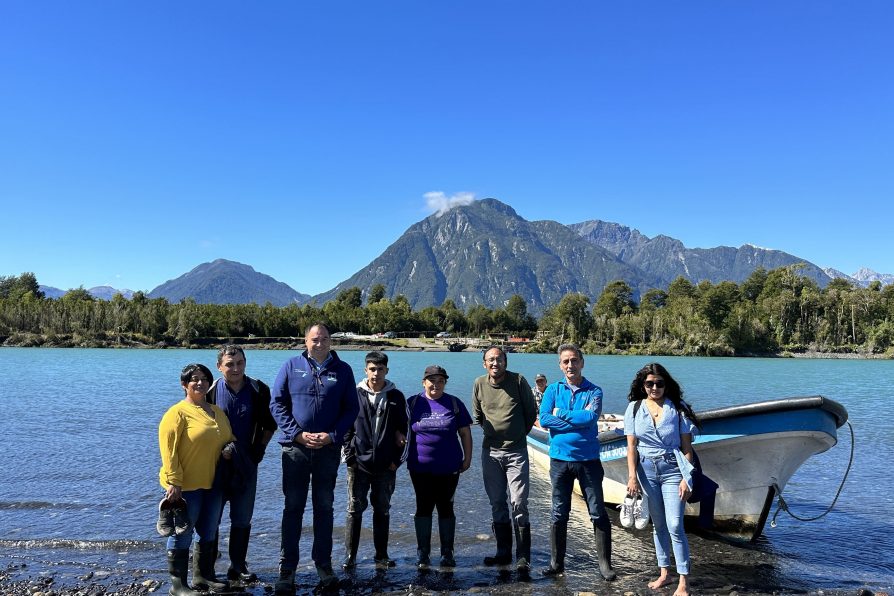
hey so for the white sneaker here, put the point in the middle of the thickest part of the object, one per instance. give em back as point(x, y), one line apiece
point(627, 512)
point(641, 512)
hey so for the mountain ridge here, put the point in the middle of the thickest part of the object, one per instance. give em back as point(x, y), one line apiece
point(484, 252)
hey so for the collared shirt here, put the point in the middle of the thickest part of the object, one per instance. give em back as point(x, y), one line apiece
point(660, 438)
point(237, 407)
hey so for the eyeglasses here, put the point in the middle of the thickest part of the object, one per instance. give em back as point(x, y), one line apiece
point(198, 379)
point(656, 384)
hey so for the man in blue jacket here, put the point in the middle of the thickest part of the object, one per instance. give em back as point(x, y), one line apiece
point(314, 402)
point(246, 402)
point(570, 412)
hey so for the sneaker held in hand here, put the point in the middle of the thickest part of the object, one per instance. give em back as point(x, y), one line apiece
point(641, 512)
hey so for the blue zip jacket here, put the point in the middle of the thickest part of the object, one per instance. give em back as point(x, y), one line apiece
point(304, 399)
point(574, 428)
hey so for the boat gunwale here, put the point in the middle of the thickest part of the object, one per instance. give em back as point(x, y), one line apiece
point(740, 411)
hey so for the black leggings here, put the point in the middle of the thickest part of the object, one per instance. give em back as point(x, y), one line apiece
point(434, 490)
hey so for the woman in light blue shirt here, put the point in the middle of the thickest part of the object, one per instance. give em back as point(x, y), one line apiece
point(659, 426)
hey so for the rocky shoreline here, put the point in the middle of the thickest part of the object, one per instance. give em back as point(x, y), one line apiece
point(724, 570)
point(402, 345)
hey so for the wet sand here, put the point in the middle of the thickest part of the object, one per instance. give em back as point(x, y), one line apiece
point(719, 567)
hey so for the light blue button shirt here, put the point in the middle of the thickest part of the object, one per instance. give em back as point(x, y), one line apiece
point(662, 437)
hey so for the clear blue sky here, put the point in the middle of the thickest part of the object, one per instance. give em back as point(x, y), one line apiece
point(139, 139)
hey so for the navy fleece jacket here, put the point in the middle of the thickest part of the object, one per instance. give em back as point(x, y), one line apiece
point(304, 399)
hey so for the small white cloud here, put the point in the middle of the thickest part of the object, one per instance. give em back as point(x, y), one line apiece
point(440, 203)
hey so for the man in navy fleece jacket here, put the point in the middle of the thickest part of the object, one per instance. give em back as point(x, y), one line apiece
point(314, 402)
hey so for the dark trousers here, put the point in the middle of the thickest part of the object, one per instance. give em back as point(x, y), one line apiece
point(364, 488)
point(308, 470)
point(434, 490)
point(589, 475)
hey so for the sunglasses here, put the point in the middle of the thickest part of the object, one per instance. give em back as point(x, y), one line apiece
point(656, 384)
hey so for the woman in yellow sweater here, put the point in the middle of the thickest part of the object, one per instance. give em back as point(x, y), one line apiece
point(191, 437)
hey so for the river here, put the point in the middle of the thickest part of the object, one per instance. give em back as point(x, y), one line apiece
point(80, 489)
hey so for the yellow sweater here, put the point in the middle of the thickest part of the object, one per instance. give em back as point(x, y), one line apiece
point(190, 442)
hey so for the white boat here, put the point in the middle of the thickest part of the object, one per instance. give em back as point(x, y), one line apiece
point(751, 451)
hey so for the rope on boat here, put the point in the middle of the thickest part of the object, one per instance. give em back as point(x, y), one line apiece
point(783, 506)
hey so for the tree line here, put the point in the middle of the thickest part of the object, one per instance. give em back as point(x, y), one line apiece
point(771, 312)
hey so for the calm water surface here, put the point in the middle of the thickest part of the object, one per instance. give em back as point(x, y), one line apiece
point(80, 468)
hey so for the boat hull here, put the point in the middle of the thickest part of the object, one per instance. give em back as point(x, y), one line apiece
point(751, 451)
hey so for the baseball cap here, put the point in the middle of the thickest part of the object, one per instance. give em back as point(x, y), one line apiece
point(434, 370)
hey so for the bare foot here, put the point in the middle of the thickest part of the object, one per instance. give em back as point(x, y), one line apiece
point(682, 587)
point(662, 580)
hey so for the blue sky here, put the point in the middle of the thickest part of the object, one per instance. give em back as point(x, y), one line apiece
point(140, 139)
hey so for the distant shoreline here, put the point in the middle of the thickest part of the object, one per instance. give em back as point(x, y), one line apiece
point(364, 344)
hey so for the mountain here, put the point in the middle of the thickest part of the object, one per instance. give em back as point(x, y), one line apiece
point(866, 276)
point(51, 292)
point(106, 292)
point(98, 292)
point(483, 253)
point(663, 258)
point(863, 277)
point(227, 282)
point(836, 274)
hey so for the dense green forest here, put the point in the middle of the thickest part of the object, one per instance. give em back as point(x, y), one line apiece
point(772, 312)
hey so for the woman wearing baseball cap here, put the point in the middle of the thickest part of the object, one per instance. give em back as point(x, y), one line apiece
point(439, 449)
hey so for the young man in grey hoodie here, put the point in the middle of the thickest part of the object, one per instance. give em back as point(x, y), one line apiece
point(373, 451)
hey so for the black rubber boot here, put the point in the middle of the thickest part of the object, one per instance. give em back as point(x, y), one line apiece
point(238, 570)
point(380, 539)
point(523, 550)
point(285, 585)
point(604, 550)
point(352, 540)
point(178, 567)
point(503, 534)
point(204, 556)
point(447, 534)
point(558, 541)
point(423, 541)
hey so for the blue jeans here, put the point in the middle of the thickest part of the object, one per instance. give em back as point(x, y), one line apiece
point(303, 469)
point(506, 470)
point(203, 507)
point(660, 479)
point(379, 487)
point(589, 475)
point(242, 503)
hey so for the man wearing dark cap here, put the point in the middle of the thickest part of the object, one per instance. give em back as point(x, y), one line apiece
point(502, 403)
